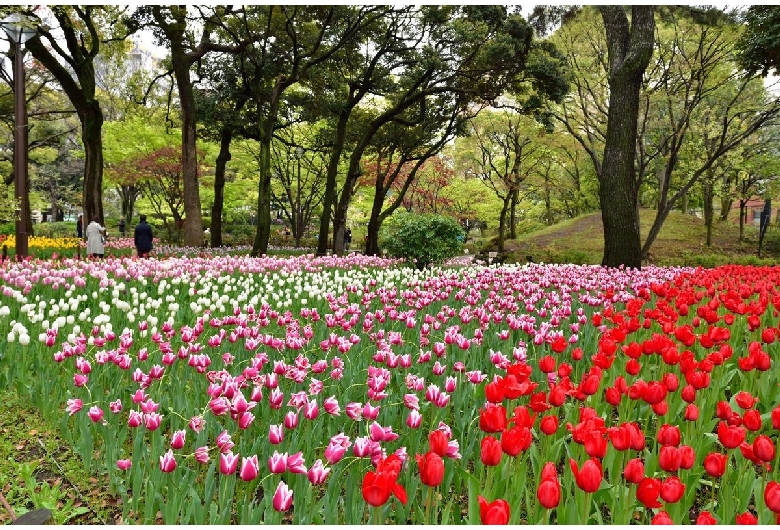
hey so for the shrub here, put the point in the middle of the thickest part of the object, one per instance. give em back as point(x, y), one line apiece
point(422, 239)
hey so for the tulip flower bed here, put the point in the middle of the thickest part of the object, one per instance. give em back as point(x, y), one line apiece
point(353, 390)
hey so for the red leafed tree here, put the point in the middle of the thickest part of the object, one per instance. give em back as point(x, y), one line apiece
point(159, 176)
point(418, 185)
point(426, 193)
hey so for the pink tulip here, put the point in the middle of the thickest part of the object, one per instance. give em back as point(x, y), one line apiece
point(276, 433)
point(228, 463)
point(334, 453)
point(296, 463)
point(414, 419)
point(291, 420)
point(283, 497)
point(370, 412)
point(74, 405)
point(124, 465)
point(249, 468)
point(224, 443)
point(354, 411)
point(135, 419)
point(362, 447)
point(331, 406)
point(277, 462)
point(318, 472)
point(177, 440)
point(202, 454)
point(311, 410)
point(115, 406)
point(167, 462)
point(152, 421)
point(245, 420)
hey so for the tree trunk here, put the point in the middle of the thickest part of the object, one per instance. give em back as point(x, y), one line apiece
point(193, 218)
point(224, 156)
point(513, 215)
point(684, 203)
point(708, 196)
point(502, 222)
point(742, 212)
point(630, 50)
point(329, 198)
point(92, 195)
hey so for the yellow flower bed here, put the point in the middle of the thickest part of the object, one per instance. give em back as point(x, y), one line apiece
point(62, 243)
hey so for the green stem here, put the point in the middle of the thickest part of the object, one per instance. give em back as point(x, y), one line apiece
point(428, 505)
point(378, 516)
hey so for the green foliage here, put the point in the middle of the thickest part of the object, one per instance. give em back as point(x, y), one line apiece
point(422, 239)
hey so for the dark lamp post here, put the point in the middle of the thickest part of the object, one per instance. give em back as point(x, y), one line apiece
point(19, 31)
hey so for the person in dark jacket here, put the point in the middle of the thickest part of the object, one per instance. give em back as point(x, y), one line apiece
point(143, 238)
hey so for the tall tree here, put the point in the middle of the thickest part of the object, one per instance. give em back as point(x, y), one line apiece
point(170, 25)
point(83, 30)
point(630, 48)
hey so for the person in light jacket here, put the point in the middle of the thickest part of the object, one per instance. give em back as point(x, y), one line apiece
point(95, 238)
point(143, 237)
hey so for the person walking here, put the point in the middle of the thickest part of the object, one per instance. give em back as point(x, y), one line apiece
point(143, 237)
point(80, 226)
point(122, 226)
point(95, 238)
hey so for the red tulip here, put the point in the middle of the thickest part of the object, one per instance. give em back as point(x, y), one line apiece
point(764, 448)
point(549, 490)
point(723, 410)
point(661, 518)
point(706, 518)
point(379, 485)
point(691, 412)
point(516, 440)
point(637, 437)
point(729, 436)
point(745, 400)
point(589, 478)
point(715, 464)
point(655, 392)
point(595, 444)
point(438, 442)
point(752, 420)
point(669, 435)
point(648, 492)
point(688, 394)
point(620, 437)
point(548, 425)
point(746, 518)
point(768, 336)
point(490, 453)
point(661, 408)
point(547, 364)
point(776, 417)
point(687, 456)
point(494, 391)
point(431, 468)
point(634, 471)
point(492, 418)
point(496, 512)
point(633, 367)
point(669, 458)
point(772, 496)
point(613, 396)
point(672, 489)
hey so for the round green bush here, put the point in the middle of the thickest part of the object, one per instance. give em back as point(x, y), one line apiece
point(422, 240)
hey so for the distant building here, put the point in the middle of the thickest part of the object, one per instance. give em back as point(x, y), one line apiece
point(753, 209)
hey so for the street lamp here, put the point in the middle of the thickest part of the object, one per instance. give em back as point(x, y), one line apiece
point(19, 31)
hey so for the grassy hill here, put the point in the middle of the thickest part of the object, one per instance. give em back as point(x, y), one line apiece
point(682, 241)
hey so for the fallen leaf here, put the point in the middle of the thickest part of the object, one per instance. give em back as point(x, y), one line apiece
point(20, 447)
point(33, 432)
